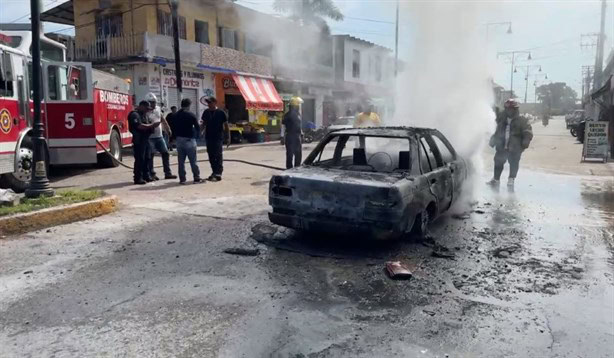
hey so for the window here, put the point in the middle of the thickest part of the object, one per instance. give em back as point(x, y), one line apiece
point(365, 153)
point(229, 38)
point(446, 153)
point(109, 25)
point(378, 69)
point(67, 83)
point(51, 52)
point(427, 157)
point(201, 29)
point(355, 63)
point(6, 87)
point(165, 24)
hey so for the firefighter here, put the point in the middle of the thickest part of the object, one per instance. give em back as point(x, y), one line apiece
point(141, 128)
point(156, 140)
point(512, 136)
point(293, 132)
point(368, 118)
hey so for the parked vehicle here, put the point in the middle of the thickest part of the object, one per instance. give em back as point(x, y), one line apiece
point(573, 118)
point(342, 123)
point(385, 182)
point(312, 135)
point(84, 110)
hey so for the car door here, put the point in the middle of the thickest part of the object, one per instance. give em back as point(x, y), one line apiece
point(438, 175)
point(450, 159)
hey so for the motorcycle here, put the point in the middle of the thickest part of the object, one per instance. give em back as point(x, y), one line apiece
point(311, 135)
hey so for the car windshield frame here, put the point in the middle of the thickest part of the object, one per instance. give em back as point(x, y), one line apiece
point(314, 158)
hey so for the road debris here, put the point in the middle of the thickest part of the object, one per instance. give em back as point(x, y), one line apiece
point(28, 272)
point(242, 251)
point(397, 271)
point(442, 254)
point(505, 252)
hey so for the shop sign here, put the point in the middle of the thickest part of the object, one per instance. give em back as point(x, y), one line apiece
point(595, 141)
point(229, 83)
point(186, 74)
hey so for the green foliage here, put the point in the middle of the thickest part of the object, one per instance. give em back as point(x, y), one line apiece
point(557, 96)
point(312, 11)
point(61, 198)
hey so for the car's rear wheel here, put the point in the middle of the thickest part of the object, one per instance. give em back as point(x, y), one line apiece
point(421, 223)
point(573, 132)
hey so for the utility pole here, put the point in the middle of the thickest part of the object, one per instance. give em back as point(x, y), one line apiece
point(396, 43)
point(537, 77)
point(178, 74)
point(512, 56)
point(527, 71)
point(600, 48)
point(39, 183)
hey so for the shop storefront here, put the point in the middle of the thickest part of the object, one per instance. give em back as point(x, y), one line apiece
point(162, 81)
point(253, 105)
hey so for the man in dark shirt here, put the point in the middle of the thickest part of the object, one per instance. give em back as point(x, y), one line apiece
point(170, 118)
point(292, 124)
point(141, 128)
point(186, 124)
point(215, 124)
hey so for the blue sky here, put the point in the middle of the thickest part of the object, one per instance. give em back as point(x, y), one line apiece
point(550, 29)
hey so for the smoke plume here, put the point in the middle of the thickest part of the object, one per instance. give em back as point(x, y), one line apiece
point(446, 83)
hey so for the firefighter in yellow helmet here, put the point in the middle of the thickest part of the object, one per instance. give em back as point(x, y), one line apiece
point(368, 118)
point(293, 133)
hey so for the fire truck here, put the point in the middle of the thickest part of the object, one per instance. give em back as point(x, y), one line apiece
point(84, 110)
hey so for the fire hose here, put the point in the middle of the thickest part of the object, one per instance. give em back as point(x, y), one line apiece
point(200, 161)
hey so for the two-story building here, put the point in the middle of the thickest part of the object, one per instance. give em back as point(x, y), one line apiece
point(364, 72)
point(134, 40)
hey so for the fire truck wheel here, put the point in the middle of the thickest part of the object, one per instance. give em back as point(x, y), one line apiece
point(115, 149)
point(18, 181)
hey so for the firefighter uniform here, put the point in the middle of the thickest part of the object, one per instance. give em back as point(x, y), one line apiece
point(140, 146)
point(292, 124)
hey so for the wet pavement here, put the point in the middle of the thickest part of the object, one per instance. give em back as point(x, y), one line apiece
point(527, 273)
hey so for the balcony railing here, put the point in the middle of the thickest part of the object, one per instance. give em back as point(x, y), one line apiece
point(153, 46)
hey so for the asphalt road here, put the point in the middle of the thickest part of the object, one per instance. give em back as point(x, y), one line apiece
point(531, 276)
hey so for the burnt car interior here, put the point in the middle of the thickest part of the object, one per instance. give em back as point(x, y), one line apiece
point(356, 152)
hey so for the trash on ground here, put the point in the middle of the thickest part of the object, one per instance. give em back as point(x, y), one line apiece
point(462, 216)
point(442, 254)
point(478, 211)
point(9, 198)
point(505, 252)
point(242, 251)
point(397, 271)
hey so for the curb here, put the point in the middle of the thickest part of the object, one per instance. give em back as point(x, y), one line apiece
point(21, 223)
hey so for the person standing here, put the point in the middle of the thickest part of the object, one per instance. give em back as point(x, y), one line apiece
point(170, 120)
point(367, 118)
point(215, 124)
point(156, 139)
point(141, 128)
point(293, 132)
point(512, 136)
point(186, 124)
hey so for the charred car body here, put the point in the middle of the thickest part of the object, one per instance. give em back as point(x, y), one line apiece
point(384, 182)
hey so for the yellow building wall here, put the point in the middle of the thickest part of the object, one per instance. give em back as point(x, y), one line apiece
point(145, 18)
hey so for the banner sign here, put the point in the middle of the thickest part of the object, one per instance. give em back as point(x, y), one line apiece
point(595, 141)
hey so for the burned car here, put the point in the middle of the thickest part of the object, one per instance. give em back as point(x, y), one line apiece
point(384, 182)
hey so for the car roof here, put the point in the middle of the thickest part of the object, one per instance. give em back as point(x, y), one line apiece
point(384, 131)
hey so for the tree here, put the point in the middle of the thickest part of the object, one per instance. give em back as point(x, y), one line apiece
point(557, 96)
point(310, 11)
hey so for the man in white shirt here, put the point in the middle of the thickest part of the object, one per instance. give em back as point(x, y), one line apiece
point(156, 139)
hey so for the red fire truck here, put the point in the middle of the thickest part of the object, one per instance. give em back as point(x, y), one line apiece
point(83, 110)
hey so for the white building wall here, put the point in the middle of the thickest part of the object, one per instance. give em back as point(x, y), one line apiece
point(368, 55)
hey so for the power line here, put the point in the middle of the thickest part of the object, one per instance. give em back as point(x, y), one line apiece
point(28, 14)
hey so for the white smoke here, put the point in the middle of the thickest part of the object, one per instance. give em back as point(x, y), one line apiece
point(446, 82)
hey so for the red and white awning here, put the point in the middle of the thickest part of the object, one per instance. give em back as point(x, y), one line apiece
point(259, 93)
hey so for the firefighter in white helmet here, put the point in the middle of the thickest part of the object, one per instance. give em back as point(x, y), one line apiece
point(156, 139)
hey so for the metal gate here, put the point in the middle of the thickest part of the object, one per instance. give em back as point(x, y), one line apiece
point(190, 93)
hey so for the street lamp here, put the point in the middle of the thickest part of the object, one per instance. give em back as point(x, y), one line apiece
point(512, 56)
point(39, 183)
point(527, 70)
point(492, 24)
